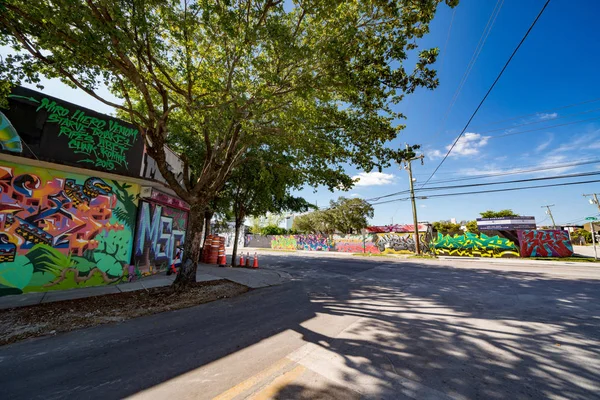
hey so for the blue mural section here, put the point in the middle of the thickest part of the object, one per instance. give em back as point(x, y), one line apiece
point(159, 235)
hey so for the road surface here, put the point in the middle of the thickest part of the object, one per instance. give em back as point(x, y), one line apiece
point(342, 328)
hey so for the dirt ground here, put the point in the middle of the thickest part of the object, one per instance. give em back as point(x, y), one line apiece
point(63, 316)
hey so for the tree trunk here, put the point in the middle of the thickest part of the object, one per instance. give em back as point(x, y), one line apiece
point(208, 214)
point(238, 223)
point(192, 248)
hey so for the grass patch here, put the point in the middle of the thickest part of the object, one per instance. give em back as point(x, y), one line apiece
point(425, 256)
point(570, 259)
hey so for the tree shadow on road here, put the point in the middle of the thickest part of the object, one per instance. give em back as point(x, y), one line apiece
point(424, 332)
point(468, 333)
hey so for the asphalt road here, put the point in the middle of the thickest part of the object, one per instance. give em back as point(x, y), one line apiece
point(342, 328)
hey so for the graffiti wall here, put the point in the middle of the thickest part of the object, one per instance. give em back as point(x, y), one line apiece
point(58, 131)
point(355, 244)
point(472, 245)
point(374, 243)
point(61, 231)
point(284, 242)
point(545, 243)
point(159, 237)
point(314, 242)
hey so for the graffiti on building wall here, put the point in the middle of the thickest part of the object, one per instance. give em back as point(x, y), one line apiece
point(314, 242)
point(472, 245)
point(284, 242)
point(54, 129)
point(400, 243)
point(159, 235)
point(60, 232)
point(355, 244)
point(9, 138)
point(545, 243)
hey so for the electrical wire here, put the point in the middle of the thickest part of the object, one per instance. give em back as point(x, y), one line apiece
point(489, 91)
point(491, 175)
point(518, 172)
point(536, 113)
point(492, 191)
point(543, 128)
point(541, 121)
point(472, 61)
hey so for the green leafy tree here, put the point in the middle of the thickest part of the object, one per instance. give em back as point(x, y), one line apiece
point(343, 216)
point(316, 80)
point(447, 228)
point(472, 227)
point(498, 214)
point(579, 233)
point(261, 186)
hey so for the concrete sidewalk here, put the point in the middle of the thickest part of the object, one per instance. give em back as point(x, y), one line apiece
point(253, 278)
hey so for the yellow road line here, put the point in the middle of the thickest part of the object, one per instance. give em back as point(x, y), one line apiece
point(253, 380)
point(278, 384)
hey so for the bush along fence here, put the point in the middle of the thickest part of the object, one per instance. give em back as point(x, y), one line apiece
point(498, 244)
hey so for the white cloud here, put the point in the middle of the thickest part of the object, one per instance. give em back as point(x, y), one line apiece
point(545, 144)
point(547, 116)
point(373, 179)
point(423, 206)
point(355, 195)
point(469, 144)
point(434, 154)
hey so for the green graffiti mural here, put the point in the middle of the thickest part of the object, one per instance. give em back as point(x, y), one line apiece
point(282, 242)
point(471, 245)
point(105, 142)
point(61, 232)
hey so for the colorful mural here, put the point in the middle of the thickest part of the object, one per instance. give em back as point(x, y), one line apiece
point(283, 242)
point(160, 233)
point(9, 138)
point(314, 242)
point(355, 244)
point(59, 232)
point(472, 245)
point(545, 243)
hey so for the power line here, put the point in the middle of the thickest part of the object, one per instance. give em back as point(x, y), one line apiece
point(541, 121)
point(494, 191)
point(489, 90)
point(518, 172)
point(545, 178)
point(472, 61)
point(537, 113)
point(493, 175)
point(543, 128)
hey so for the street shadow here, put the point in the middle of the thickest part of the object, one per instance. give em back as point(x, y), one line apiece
point(468, 333)
point(425, 331)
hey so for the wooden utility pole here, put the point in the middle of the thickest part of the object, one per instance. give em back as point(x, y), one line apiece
point(549, 212)
point(408, 166)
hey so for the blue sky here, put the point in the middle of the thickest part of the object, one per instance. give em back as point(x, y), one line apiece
point(556, 66)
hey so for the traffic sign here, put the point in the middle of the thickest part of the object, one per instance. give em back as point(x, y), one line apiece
point(591, 219)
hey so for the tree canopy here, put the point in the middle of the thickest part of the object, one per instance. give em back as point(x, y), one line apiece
point(314, 80)
point(343, 216)
point(498, 214)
